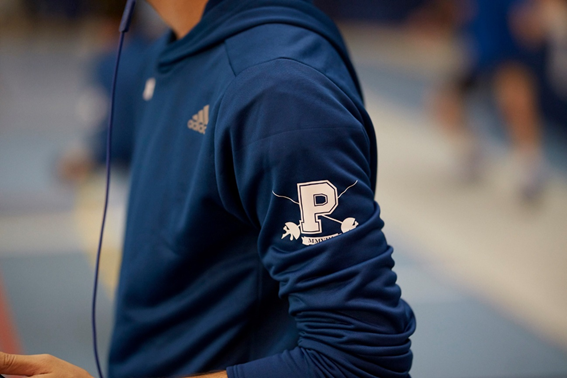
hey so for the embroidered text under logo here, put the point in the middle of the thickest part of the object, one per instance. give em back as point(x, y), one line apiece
point(200, 120)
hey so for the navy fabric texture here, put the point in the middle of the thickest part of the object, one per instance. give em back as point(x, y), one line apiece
point(253, 241)
point(211, 4)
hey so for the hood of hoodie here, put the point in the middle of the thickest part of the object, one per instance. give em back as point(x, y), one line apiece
point(225, 18)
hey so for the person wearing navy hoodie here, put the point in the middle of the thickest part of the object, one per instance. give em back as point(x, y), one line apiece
point(253, 246)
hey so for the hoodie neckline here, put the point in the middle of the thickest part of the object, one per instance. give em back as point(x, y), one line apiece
point(226, 18)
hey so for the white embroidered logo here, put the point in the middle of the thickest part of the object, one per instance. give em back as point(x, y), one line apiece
point(200, 121)
point(317, 199)
point(149, 89)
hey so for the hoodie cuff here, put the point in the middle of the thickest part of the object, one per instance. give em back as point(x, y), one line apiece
point(285, 365)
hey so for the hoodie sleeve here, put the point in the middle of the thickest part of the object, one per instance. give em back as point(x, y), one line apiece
point(301, 160)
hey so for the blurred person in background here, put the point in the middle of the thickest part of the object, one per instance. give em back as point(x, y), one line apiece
point(504, 41)
point(554, 14)
point(88, 154)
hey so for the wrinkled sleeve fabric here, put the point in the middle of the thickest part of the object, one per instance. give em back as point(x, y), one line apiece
point(294, 161)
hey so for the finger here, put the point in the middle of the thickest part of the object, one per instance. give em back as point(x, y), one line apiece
point(15, 364)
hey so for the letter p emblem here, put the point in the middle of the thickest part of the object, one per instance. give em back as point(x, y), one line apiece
point(316, 199)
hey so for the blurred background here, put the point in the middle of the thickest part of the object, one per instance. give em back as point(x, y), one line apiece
point(469, 101)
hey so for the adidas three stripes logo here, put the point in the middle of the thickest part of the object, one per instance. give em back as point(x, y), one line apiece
point(200, 120)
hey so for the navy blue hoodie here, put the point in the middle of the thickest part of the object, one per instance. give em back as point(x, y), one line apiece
point(253, 242)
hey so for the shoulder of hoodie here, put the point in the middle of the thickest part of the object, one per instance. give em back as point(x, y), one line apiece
point(272, 42)
point(286, 79)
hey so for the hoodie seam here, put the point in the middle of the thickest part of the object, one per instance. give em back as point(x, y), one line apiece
point(225, 46)
point(237, 75)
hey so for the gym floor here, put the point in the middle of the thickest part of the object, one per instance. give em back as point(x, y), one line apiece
point(484, 273)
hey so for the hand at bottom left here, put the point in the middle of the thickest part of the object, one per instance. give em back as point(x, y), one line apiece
point(40, 366)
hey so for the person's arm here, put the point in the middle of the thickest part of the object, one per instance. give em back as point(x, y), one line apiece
point(47, 366)
point(39, 365)
point(296, 159)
